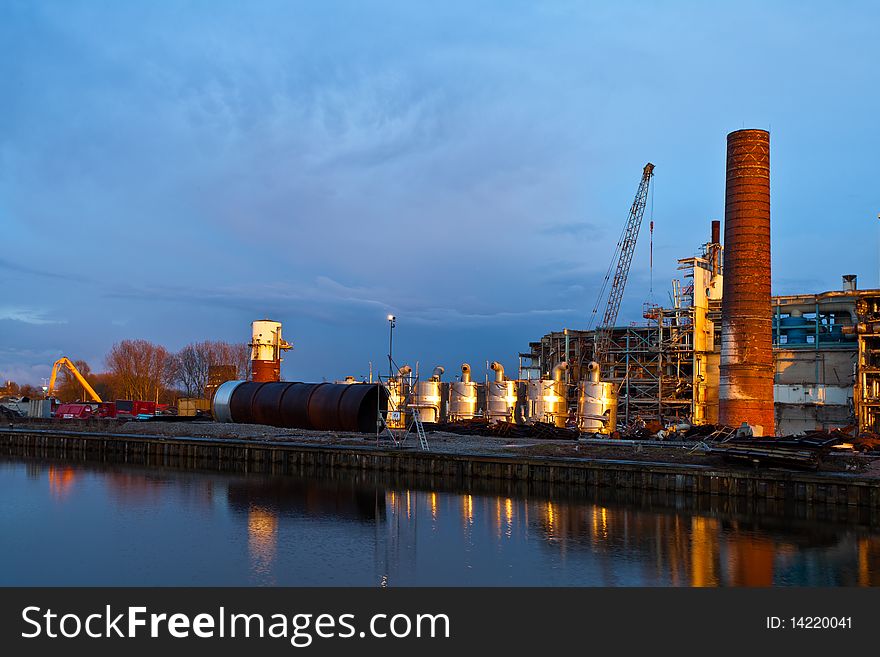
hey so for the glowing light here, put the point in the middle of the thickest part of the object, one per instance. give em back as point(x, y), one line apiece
point(262, 538)
point(60, 481)
point(468, 508)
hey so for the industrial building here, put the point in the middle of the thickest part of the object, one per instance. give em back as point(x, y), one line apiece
point(727, 351)
point(826, 370)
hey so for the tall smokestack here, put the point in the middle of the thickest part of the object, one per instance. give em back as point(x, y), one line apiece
point(746, 386)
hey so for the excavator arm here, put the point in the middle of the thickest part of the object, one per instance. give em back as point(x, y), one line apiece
point(66, 362)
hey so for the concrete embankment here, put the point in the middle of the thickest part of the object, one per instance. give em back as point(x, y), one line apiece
point(286, 457)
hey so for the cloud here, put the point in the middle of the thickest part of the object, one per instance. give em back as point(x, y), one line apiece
point(574, 228)
point(28, 316)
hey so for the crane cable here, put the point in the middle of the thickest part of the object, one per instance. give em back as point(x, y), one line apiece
point(611, 266)
point(651, 251)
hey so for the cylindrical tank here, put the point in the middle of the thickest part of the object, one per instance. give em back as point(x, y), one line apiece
point(428, 398)
point(321, 406)
point(546, 401)
point(463, 396)
point(398, 391)
point(597, 404)
point(746, 372)
point(794, 335)
point(266, 347)
point(500, 396)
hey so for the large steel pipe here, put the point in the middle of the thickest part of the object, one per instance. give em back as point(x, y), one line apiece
point(746, 381)
point(321, 406)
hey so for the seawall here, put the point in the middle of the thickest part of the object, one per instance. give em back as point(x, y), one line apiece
point(278, 458)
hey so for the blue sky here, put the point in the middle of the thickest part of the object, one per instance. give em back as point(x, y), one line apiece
point(173, 170)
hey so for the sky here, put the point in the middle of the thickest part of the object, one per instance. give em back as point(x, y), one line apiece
point(173, 171)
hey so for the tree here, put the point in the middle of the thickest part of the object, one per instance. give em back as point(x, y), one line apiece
point(192, 363)
point(140, 369)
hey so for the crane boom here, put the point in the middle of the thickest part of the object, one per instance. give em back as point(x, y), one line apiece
point(626, 248)
point(66, 362)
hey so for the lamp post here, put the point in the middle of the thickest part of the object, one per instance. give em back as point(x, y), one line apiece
point(391, 321)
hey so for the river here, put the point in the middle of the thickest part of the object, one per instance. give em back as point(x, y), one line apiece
point(66, 524)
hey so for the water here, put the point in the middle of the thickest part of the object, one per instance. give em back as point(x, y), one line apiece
point(114, 525)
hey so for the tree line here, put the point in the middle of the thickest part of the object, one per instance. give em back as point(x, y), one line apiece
point(139, 369)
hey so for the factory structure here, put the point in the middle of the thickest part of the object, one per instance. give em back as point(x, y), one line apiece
point(725, 352)
point(728, 352)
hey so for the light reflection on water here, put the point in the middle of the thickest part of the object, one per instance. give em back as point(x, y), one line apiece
point(108, 525)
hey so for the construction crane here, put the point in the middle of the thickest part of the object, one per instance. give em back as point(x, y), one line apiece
point(66, 362)
point(623, 254)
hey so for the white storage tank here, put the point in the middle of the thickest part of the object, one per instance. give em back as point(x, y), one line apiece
point(546, 399)
point(500, 396)
point(597, 404)
point(463, 396)
point(427, 397)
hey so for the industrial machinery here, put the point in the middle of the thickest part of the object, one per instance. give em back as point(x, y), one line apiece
point(546, 399)
point(623, 255)
point(500, 396)
point(463, 396)
point(597, 403)
point(427, 397)
point(398, 393)
point(266, 347)
point(66, 362)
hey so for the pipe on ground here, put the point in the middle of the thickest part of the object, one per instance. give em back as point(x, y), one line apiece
point(319, 406)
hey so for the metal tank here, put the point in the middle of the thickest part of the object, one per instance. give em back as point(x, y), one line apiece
point(500, 396)
point(398, 392)
point(321, 406)
point(746, 371)
point(427, 397)
point(546, 398)
point(597, 403)
point(266, 347)
point(463, 396)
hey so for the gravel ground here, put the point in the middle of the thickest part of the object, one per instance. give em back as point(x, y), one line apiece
point(443, 442)
point(439, 441)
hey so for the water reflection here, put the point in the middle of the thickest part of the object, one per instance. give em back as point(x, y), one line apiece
point(61, 481)
point(355, 529)
point(262, 541)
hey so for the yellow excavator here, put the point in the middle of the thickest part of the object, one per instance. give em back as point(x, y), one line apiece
point(66, 362)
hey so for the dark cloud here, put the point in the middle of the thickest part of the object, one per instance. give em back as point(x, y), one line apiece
point(173, 172)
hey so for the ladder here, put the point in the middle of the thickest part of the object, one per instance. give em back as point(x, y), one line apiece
point(420, 430)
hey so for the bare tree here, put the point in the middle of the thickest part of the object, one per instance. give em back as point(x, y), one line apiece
point(141, 369)
point(192, 363)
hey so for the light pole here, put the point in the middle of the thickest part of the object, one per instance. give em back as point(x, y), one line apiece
point(391, 321)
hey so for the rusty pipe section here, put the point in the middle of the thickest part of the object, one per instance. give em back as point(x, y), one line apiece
point(559, 371)
point(593, 370)
point(465, 373)
point(320, 406)
point(498, 368)
point(746, 382)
